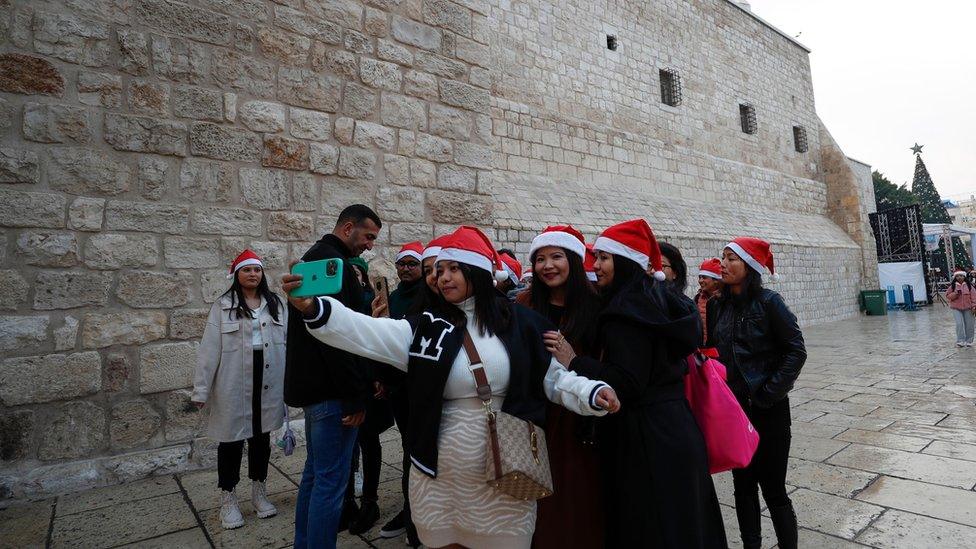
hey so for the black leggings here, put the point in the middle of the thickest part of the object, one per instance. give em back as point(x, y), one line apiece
point(229, 454)
point(768, 468)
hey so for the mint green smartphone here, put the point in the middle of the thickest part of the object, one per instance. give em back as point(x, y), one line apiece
point(323, 277)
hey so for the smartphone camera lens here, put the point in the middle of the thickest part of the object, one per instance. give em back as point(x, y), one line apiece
point(330, 270)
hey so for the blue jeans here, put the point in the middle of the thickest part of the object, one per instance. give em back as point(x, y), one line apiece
point(320, 496)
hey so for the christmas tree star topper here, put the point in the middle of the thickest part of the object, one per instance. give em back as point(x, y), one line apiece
point(917, 149)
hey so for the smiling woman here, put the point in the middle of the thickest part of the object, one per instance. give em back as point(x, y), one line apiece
point(241, 358)
point(447, 435)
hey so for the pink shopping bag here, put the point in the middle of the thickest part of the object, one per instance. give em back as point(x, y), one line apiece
point(730, 438)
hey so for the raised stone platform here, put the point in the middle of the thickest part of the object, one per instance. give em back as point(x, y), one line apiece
point(883, 455)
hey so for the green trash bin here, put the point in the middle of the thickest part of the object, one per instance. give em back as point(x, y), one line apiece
point(874, 302)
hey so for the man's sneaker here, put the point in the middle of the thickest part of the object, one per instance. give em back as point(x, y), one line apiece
point(230, 512)
point(396, 527)
point(259, 498)
point(369, 513)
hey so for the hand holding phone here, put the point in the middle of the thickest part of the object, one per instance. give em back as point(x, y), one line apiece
point(323, 277)
point(381, 304)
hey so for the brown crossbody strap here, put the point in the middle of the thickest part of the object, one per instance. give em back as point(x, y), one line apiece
point(484, 393)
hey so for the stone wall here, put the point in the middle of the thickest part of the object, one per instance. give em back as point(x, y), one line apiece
point(146, 142)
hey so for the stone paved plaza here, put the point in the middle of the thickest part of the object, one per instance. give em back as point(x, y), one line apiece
point(883, 455)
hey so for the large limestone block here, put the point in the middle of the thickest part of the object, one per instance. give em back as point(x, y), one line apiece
point(16, 431)
point(207, 179)
point(47, 249)
point(12, 284)
point(87, 171)
point(224, 143)
point(450, 207)
point(66, 335)
point(187, 323)
point(72, 39)
point(29, 75)
point(23, 333)
point(77, 430)
point(51, 123)
point(125, 132)
point(28, 380)
point(86, 214)
point(167, 366)
point(151, 290)
point(70, 289)
point(132, 422)
point(29, 209)
point(183, 419)
point(145, 217)
point(305, 88)
point(190, 253)
point(117, 251)
point(19, 166)
point(227, 221)
point(126, 328)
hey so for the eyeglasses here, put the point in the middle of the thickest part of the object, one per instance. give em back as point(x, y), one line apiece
point(407, 264)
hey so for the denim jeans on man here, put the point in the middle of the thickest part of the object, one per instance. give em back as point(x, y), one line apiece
point(320, 495)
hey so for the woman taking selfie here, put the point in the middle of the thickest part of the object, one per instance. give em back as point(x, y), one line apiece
point(657, 490)
point(560, 291)
point(450, 500)
point(239, 381)
point(760, 343)
point(962, 299)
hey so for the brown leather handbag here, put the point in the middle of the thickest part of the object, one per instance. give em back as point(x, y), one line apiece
point(517, 461)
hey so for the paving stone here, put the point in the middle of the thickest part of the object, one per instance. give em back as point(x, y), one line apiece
point(124, 523)
point(899, 529)
point(831, 514)
point(819, 430)
point(953, 450)
point(732, 529)
point(812, 538)
point(951, 504)
point(25, 525)
point(868, 424)
point(829, 479)
point(884, 439)
point(194, 538)
point(89, 500)
point(938, 433)
point(909, 416)
point(814, 449)
point(926, 468)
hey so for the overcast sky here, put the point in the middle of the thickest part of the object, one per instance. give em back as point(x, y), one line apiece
point(887, 73)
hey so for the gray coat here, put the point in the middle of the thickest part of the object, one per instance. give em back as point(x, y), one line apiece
point(223, 378)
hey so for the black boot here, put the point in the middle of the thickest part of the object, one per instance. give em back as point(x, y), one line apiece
point(369, 513)
point(349, 513)
point(784, 522)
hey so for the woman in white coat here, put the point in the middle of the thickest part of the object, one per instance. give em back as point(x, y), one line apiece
point(239, 382)
point(450, 502)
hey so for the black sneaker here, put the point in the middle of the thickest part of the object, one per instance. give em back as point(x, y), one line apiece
point(396, 527)
point(349, 513)
point(369, 513)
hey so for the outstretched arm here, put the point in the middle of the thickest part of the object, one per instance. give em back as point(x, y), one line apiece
point(578, 394)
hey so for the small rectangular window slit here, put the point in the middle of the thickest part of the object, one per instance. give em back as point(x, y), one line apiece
point(800, 139)
point(670, 87)
point(747, 117)
point(611, 42)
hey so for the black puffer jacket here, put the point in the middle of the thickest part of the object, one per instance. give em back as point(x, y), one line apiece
point(760, 342)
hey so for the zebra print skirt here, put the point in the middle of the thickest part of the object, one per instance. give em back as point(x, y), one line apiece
point(457, 506)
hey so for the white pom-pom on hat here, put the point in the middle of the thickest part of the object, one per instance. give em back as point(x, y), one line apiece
point(659, 276)
point(775, 277)
point(501, 276)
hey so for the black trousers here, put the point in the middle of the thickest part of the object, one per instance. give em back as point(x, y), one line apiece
point(401, 407)
point(767, 471)
point(229, 454)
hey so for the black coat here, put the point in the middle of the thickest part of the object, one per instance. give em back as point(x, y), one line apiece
point(655, 468)
point(760, 342)
point(315, 372)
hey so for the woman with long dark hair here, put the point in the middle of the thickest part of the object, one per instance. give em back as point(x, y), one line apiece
point(673, 266)
point(658, 492)
point(962, 299)
point(239, 382)
point(760, 343)
point(450, 501)
point(561, 292)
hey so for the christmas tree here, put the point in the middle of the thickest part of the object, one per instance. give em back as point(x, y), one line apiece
point(934, 211)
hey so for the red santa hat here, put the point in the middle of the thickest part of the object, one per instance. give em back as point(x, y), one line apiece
point(527, 273)
point(564, 236)
point(756, 253)
point(512, 267)
point(411, 249)
point(246, 258)
point(635, 241)
point(589, 263)
point(472, 247)
point(958, 273)
point(712, 268)
point(433, 247)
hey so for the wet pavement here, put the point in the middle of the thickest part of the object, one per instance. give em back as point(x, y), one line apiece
point(883, 455)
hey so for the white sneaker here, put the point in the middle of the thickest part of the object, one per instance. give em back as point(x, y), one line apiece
point(259, 498)
point(230, 512)
point(960, 344)
point(969, 345)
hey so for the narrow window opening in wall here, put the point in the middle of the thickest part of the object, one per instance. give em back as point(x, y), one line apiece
point(670, 87)
point(800, 139)
point(747, 117)
point(611, 42)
